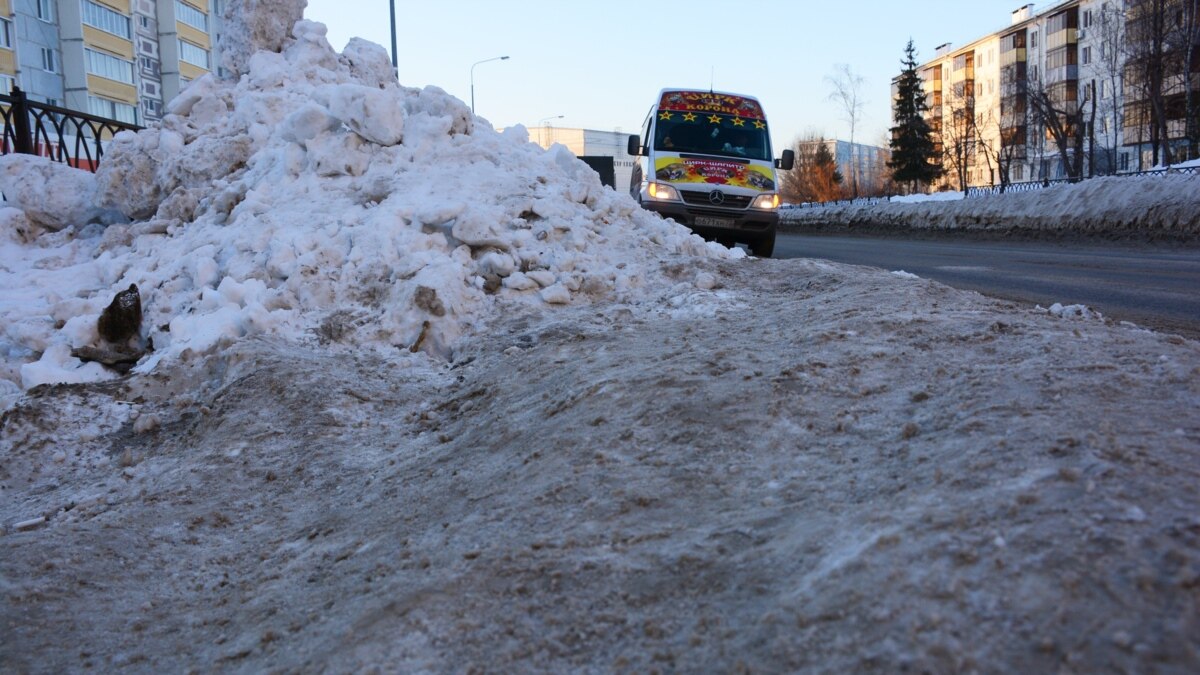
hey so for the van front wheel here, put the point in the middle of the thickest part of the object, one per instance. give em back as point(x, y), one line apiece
point(764, 247)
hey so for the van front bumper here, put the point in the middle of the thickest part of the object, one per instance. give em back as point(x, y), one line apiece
point(740, 225)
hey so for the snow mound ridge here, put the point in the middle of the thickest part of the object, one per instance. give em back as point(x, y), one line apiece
point(315, 199)
point(1147, 207)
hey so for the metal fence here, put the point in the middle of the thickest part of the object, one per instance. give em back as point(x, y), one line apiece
point(988, 190)
point(60, 134)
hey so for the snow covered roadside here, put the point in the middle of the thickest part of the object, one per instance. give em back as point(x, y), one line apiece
point(806, 467)
point(426, 398)
point(1144, 208)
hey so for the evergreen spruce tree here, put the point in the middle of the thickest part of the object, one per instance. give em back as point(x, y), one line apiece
point(913, 154)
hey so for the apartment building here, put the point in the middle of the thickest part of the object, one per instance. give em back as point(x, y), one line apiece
point(1066, 91)
point(855, 161)
point(120, 59)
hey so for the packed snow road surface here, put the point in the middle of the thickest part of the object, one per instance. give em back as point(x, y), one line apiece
point(807, 467)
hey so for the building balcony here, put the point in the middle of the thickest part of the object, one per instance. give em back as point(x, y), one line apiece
point(1062, 74)
point(1013, 56)
point(967, 73)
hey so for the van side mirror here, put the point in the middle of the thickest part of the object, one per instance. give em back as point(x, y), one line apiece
point(635, 146)
point(787, 161)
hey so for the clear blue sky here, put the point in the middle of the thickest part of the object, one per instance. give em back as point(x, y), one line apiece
point(600, 64)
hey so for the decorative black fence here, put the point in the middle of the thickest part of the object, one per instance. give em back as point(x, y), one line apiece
point(988, 190)
point(60, 134)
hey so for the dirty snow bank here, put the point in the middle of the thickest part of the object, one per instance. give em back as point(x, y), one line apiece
point(1139, 207)
point(315, 199)
point(808, 467)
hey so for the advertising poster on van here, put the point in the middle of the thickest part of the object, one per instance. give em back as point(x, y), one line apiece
point(714, 172)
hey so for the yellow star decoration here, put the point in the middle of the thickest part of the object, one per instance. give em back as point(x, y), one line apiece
point(739, 122)
point(759, 125)
point(689, 117)
point(714, 119)
point(664, 115)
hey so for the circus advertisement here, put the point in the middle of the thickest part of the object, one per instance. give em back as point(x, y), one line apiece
point(709, 102)
point(714, 172)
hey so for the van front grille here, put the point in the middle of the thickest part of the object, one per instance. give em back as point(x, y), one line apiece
point(702, 199)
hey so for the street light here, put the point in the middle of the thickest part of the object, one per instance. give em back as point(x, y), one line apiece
point(544, 134)
point(497, 58)
point(395, 61)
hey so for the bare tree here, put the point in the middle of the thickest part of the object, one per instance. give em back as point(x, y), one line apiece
point(814, 177)
point(991, 155)
point(847, 92)
point(1110, 27)
point(1147, 65)
point(1057, 109)
point(958, 139)
point(1184, 42)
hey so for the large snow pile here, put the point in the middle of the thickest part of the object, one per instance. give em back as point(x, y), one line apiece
point(314, 198)
point(1147, 207)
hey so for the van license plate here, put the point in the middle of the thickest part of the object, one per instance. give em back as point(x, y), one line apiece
point(705, 221)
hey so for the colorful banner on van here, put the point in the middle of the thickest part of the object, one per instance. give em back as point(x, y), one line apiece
point(708, 102)
point(713, 172)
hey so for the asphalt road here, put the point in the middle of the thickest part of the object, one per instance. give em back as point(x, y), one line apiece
point(1156, 286)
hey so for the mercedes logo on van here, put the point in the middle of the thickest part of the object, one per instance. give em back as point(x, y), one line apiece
point(716, 198)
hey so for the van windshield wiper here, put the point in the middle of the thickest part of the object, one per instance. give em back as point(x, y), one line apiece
point(735, 160)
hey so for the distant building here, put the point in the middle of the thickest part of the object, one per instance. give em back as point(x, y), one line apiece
point(867, 162)
point(591, 143)
point(120, 59)
point(1123, 64)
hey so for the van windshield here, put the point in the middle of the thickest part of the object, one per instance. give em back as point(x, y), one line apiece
point(712, 134)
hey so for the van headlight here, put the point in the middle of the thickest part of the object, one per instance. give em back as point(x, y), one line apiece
point(662, 192)
point(768, 201)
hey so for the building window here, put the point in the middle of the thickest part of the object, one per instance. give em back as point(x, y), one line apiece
point(49, 60)
point(1033, 40)
point(45, 10)
point(5, 33)
point(190, 53)
point(102, 107)
point(1085, 56)
point(147, 47)
point(1124, 161)
point(191, 16)
point(144, 21)
point(99, 16)
point(7, 83)
point(1087, 18)
point(99, 63)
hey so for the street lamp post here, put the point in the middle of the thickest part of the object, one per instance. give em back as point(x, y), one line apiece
point(395, 60)
point(497, 58)
point(544, 135)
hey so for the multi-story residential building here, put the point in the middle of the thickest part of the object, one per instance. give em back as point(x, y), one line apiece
point(855, 161)
point(1075, 89)
point(120, 59)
